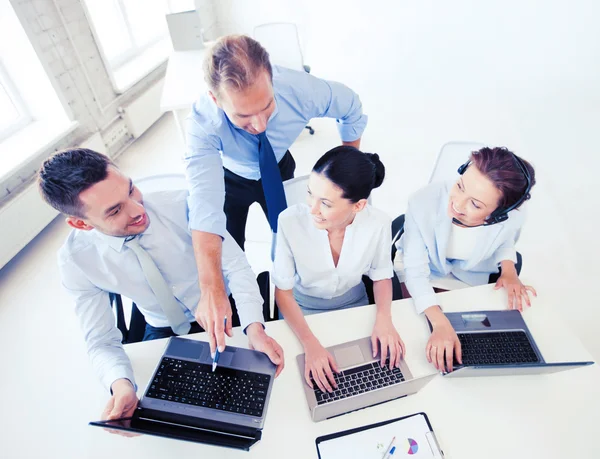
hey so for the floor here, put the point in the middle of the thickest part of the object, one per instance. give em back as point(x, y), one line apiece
point(557, 243)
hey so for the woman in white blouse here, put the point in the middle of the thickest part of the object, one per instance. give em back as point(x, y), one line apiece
point(324, 248)
point(465, 230)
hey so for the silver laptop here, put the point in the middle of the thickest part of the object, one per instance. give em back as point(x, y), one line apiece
point(185, 30)
point(362, 382)
point(498, 343)
point(185, 400)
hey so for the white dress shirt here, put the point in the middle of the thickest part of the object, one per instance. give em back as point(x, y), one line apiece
point(303, 256)
point(93, 264)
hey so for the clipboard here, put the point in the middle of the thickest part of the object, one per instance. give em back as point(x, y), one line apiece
point(424, 446)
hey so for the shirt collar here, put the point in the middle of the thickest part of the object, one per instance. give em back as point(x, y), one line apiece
point(117, 242)
point(276, 111)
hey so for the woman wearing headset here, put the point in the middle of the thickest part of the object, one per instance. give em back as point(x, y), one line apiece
point(465, 230)
point(324, 248)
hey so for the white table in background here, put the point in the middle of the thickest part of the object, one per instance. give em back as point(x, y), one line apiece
point(184, 82)
point(544, 416)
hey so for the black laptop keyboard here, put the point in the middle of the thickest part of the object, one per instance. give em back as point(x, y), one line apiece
point(359, 380)
point(226, 389)
point(496, 348)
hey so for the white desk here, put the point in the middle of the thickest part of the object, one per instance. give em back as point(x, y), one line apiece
point(184, 82)
point(550, 416)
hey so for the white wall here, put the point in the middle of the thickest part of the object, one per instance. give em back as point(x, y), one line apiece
point(521, 74)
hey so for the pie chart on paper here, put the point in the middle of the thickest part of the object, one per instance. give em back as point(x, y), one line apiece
point(411, 446)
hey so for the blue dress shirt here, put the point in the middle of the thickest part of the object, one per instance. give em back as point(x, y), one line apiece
point(93, 264)
point(212, 141)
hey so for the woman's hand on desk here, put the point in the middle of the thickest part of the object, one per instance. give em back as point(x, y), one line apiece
point(389, 340)
point(443, 342)
point(517, 292)
point(319, 362)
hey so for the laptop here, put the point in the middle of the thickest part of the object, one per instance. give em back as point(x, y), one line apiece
point(185, 30)
point(362, 382)
point(498, 343)
point(185, 400)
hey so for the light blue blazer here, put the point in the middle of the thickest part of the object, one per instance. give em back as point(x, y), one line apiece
point(424, 244)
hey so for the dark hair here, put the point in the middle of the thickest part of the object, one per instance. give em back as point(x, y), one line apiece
point(65, 174)
point(501, 166)
point(355, 172)
point(235, 61)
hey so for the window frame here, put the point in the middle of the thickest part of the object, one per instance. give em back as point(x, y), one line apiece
point(11, 90)
point(136, 48)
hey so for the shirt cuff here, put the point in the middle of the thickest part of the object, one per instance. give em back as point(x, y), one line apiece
point(250, 315)
point(381, 274)
point(425, 301)
point(284, 283)
point(506, 254)
point(354, 131)
point(118, 372)
point(213, 222)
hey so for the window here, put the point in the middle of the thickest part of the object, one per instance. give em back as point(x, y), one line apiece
point(13, 113)
point(31, 113)
point(132, 36)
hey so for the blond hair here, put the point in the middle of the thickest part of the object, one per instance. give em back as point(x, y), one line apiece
point(234, 62)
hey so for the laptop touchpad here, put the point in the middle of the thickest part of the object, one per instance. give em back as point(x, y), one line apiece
point(225, 358)
point(348, 356)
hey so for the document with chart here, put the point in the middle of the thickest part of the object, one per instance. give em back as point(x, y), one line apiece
point(407, 437)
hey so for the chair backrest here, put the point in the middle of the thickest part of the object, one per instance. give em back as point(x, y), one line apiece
point(281, 40)
point(449, 159)
point(295, 190)
point(162, 182)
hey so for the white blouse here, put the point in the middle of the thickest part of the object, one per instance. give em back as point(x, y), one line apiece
point(303, 257)
point(461, 243)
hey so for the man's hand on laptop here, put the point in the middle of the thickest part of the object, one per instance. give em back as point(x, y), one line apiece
point(212, 309)
point(443, 342)
point(319, 363)
point(122, 404)
point(262, 342)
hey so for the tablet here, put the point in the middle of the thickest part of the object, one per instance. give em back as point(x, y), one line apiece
point(414, 438)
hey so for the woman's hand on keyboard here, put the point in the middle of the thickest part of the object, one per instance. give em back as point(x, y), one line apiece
point(389, 341)
point(443, 342)
point(319, 363)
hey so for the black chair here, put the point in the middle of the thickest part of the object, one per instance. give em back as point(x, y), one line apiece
point(397, 231)
point(137, 324)
point(264, 285)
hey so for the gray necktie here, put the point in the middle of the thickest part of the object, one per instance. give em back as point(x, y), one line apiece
point(175, 315)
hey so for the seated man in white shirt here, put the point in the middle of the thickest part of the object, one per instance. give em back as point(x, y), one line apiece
point(141, 248)
point(325, 248)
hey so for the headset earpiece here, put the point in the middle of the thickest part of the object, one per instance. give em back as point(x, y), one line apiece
point(463, 168)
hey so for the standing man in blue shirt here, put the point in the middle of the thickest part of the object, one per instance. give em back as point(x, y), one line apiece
point(237, 141)
point(140, 247)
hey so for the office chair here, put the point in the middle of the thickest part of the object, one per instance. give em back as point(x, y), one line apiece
point(282, 42)
point(137, 324)
point(450, 157)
